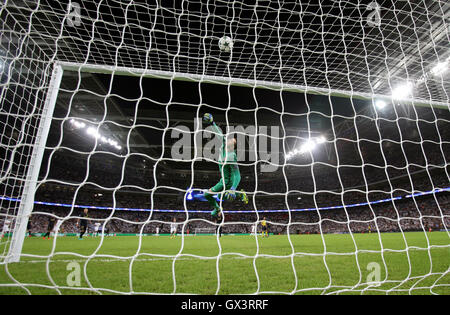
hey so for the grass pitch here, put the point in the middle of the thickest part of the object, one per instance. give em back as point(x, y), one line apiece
point(409, 263)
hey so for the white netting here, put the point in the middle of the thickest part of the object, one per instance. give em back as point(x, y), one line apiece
point(353, 99)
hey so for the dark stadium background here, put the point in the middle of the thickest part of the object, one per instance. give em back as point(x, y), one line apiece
point(409, 158)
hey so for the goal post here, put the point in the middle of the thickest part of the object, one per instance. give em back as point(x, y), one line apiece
point(258, 84)
point(205, 231)
point(29, 189)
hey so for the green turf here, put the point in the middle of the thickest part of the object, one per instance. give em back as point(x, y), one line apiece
point(336, 264)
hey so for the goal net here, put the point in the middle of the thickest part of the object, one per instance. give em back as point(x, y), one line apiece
point(340, 116)
point(199, 231)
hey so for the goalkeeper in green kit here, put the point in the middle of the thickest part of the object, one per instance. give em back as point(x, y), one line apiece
point(229, 172)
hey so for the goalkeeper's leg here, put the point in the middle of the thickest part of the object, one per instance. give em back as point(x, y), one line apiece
point(82, 231)
point(240, 195)
point(209, 197)
point(212, 201)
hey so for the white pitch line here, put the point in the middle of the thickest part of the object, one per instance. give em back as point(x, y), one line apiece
point(148, 259)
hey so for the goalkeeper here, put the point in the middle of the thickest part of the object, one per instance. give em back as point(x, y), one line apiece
point(229, 172)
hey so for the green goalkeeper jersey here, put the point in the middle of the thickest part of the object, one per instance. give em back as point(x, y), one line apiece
point(228, 166)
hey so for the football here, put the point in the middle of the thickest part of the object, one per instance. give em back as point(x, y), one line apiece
point(225, 44)
point(207, 118)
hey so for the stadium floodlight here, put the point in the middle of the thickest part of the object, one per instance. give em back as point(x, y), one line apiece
point(77, 124)
point(403, 91)
point(308, 146)
point(380, 104)
point(321, 140)
point(440, 68)
point(93, 132)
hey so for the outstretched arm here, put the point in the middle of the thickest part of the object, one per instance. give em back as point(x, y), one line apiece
point(220, 135)
point(208, 119)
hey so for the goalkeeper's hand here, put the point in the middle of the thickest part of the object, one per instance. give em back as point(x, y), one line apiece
point(230, 194)
point(208, 118)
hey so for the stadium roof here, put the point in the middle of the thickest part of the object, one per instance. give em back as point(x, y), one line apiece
point(326, 47)
point(319, 45)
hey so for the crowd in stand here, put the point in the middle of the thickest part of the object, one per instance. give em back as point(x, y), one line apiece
point(408, 214)
point(113, 182)
point(350, 164)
